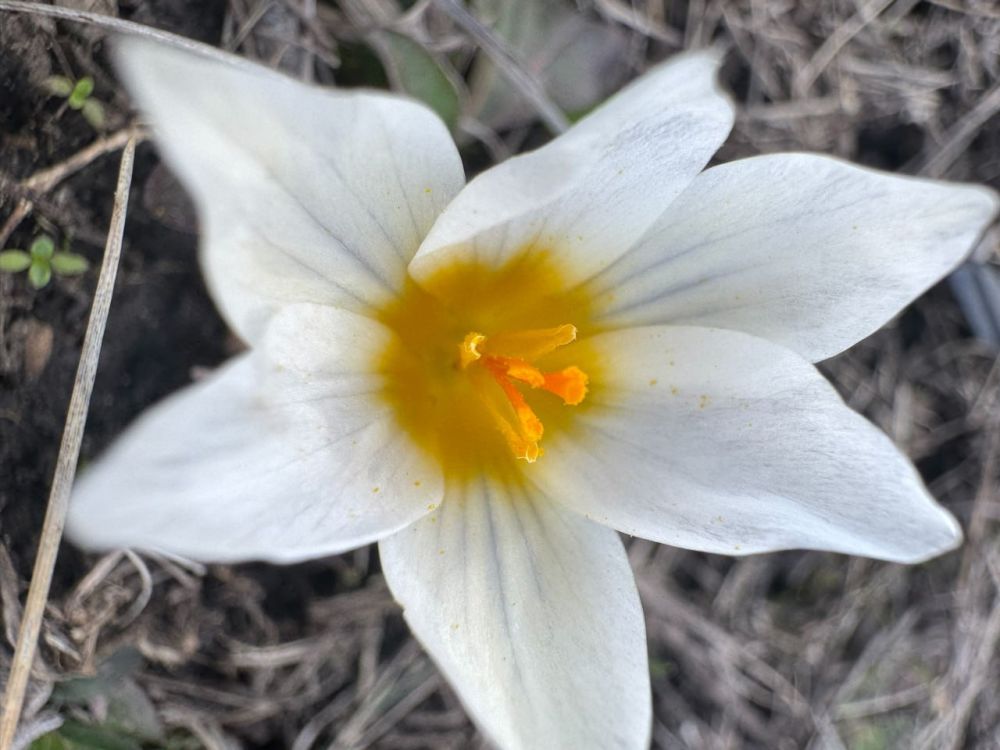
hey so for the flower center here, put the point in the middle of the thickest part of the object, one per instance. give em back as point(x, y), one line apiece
point(473, 346)
point(508, 358)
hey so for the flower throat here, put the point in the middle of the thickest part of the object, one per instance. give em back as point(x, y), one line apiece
point(473, 345)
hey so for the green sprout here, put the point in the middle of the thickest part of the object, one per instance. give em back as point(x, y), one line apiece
point(77, 96)
point(40, 260)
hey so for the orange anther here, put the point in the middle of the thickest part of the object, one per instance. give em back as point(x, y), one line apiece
point(569, 384)
point(521, 370)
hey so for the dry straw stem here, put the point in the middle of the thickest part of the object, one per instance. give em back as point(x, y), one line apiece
point(122, 26)
point(958, 137)
point(69, 451)
point(507, 65)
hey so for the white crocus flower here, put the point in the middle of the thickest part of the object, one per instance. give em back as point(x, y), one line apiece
point(411, 339)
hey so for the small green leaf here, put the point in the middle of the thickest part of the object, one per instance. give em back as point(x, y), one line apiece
point(415, 70)
point(50, 741)
point(39, 273)
point(14, 261)
point(69, 264)
point(90, 737)
point(93, 112)
point(84, 88)
point(58, 85)
point(42, 248)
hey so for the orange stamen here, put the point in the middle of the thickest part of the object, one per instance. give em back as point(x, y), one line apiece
point(508, 356)
point(521, 370)
point(531, 425)
point(521, 447)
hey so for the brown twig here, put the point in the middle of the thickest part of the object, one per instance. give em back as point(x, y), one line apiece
point(46, 179)
point(69, 449)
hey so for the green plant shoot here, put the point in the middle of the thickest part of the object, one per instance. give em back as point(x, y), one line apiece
point(78, 97)
point(41, 259)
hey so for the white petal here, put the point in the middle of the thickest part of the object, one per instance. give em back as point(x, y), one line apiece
point(305, 194)
point(806, 251)
point(532, 614)
point(284, 454)
point(718, 441)
point(590, 193)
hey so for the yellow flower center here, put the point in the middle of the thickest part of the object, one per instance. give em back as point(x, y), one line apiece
point(479, 367)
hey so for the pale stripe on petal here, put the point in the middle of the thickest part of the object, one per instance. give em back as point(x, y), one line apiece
point(532, 614)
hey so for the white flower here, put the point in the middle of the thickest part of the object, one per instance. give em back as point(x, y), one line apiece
point(413, 338)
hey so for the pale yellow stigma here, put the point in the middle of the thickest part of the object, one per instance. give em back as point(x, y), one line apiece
point(468, 350)
point(508, 357)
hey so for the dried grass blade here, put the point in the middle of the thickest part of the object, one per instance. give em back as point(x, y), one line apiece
point(69, 450)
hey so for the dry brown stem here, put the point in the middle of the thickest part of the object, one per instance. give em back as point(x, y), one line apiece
point(69, 451)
